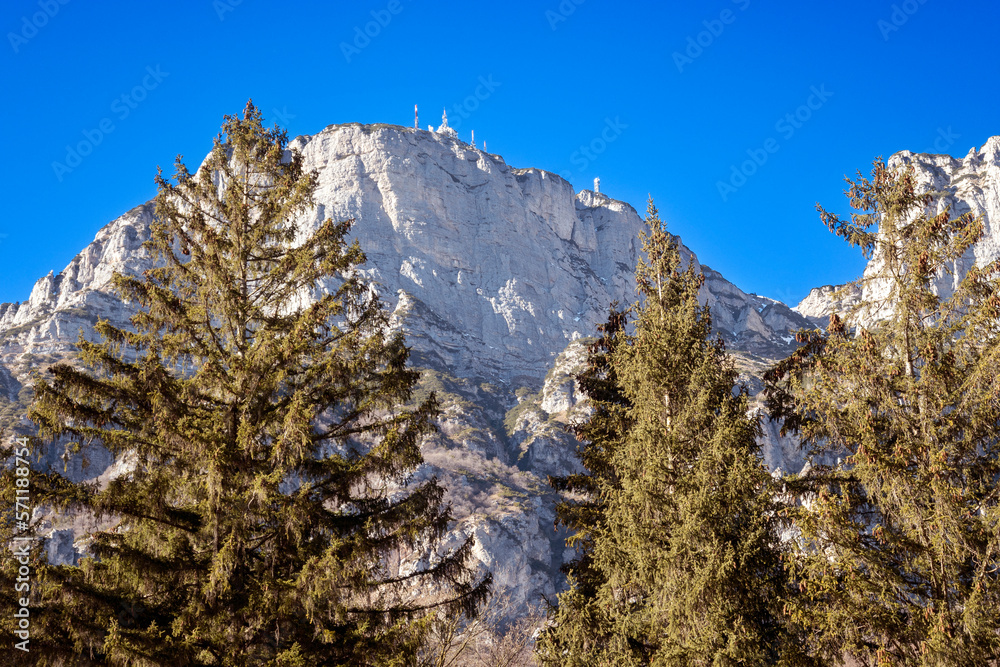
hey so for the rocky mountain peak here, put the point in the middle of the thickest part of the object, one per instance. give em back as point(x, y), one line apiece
point(500, 267)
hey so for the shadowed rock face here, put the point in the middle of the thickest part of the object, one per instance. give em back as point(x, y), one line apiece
point(493, 272)
point(9, 387)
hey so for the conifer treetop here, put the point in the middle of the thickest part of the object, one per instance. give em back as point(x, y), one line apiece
point(261, 394)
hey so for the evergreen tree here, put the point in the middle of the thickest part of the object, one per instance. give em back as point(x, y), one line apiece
point(899, 556)
point(580, 627)
point(259, 397)
point(676, 526)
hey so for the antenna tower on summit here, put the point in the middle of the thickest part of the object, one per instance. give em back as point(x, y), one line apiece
point(416, 119)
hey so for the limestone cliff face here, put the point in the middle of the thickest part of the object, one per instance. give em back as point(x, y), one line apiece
point(969, 184)
point(751, 323)
point(501, 267)
point(46, 326)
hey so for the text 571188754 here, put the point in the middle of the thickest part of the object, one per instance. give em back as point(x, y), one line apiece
point(22, 542)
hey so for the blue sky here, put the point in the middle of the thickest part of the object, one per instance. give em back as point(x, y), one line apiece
point(663, 98)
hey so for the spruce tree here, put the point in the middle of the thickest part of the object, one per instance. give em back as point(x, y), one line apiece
point(259, 398)
point(679, 556)
point(580, 628)
point(899, 549)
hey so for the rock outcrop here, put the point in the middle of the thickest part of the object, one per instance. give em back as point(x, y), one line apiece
point(970, 184)
point(822, 302)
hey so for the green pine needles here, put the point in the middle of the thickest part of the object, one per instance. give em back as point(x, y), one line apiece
point(899, 554)
point(259, 398)
point(674, 519)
